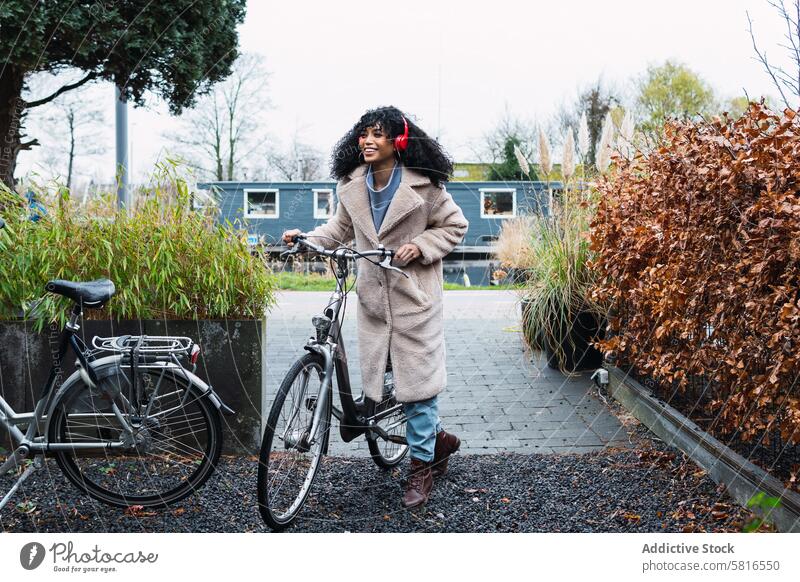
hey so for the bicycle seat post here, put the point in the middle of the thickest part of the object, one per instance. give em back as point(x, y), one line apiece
point(72, 324)
point(71, 328)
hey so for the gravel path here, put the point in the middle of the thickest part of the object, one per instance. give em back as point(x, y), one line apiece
point(650, 488)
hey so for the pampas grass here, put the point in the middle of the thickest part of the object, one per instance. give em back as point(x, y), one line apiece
point(544, 155)
point(522, 161)
point(568, 158)
point(603, 158)
point(583, 137)
point(625, 139)
point(514, 245)
point(559, 281)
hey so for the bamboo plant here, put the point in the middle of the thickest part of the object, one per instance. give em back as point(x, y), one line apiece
point(166, 260)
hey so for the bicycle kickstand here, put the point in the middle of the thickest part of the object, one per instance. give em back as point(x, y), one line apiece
point(13, 461)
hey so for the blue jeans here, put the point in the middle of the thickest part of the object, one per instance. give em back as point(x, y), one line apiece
point(423, 425)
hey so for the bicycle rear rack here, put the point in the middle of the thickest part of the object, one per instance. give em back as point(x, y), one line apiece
point(146, 351)
point(150, 345)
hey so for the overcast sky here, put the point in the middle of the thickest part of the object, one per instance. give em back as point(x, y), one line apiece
point(456, 65)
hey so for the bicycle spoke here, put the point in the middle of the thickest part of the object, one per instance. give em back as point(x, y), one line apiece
point(166, 448)
point(287, 469)
point(386, 452)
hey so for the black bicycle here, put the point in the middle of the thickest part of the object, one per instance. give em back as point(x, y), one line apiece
point(298, 428)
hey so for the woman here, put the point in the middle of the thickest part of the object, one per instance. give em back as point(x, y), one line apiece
point(391, 192)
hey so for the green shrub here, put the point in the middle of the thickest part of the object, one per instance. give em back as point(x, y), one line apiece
point(166, 260)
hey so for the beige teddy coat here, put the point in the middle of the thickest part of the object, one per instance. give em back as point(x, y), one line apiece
point(397, 314)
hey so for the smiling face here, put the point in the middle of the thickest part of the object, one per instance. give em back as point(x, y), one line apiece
point(376, 145)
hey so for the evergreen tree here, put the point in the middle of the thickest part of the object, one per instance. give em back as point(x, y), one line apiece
point(175, 49)
point(509, 169)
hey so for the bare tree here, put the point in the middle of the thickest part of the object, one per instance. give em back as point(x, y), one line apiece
point(595, 101)
point(299, 161)
point(787, 82)
point(509, 129)
point(80, 119)
point(226, 127)
point(70, 126)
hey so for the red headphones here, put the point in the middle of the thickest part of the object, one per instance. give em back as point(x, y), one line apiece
point(401, 141)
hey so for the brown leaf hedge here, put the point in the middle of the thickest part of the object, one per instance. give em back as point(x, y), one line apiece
point(697, 249)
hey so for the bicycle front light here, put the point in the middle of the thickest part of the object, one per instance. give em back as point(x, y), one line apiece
point(322, 323)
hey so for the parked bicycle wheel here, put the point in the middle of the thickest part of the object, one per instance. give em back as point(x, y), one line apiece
point(288, 463)
point(170, 445)
point(388, 452)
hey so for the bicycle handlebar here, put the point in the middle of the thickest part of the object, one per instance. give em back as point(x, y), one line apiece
point(385, 254)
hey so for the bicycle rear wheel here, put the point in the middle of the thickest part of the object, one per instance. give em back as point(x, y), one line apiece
point(288, 463)
point(172, 449)
point(388, 452)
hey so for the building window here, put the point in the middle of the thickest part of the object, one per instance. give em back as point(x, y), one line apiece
point(499, 203)
point(203, 199)
point(323, 203)
point(261, 203)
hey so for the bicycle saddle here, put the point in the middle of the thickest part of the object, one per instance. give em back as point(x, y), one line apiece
point(87, 293)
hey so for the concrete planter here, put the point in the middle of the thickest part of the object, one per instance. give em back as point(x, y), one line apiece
point(232, 361)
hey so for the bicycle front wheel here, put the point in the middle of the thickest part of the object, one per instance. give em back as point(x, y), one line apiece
point(289, 460)
point(151, 455)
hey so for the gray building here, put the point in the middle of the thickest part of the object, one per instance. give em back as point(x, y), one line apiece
point(267, 209)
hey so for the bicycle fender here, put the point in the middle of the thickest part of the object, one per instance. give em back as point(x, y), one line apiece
point(102, 368)
point(110, 365)
point(207, 390)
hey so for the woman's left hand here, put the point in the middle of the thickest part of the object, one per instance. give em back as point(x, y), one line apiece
point(407, 253)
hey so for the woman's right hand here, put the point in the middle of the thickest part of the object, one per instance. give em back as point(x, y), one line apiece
point(289, 234)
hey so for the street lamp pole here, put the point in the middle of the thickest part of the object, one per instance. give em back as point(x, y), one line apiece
point(121, 173)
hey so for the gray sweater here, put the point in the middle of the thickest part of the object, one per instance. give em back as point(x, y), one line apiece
point(380, 199)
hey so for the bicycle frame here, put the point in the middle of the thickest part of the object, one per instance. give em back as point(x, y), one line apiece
point(34, 439)
point(355, 419)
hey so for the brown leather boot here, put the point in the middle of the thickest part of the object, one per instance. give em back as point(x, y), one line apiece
point(420, 483)
point(446, 445)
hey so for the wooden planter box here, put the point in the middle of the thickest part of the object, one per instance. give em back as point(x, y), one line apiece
point(231, 361)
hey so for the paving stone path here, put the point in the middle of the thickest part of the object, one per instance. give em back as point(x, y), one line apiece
point(499, 396)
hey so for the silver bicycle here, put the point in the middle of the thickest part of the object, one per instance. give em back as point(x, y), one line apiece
point(132, 426)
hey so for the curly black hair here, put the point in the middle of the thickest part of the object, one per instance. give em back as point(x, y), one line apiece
point(424, 153)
